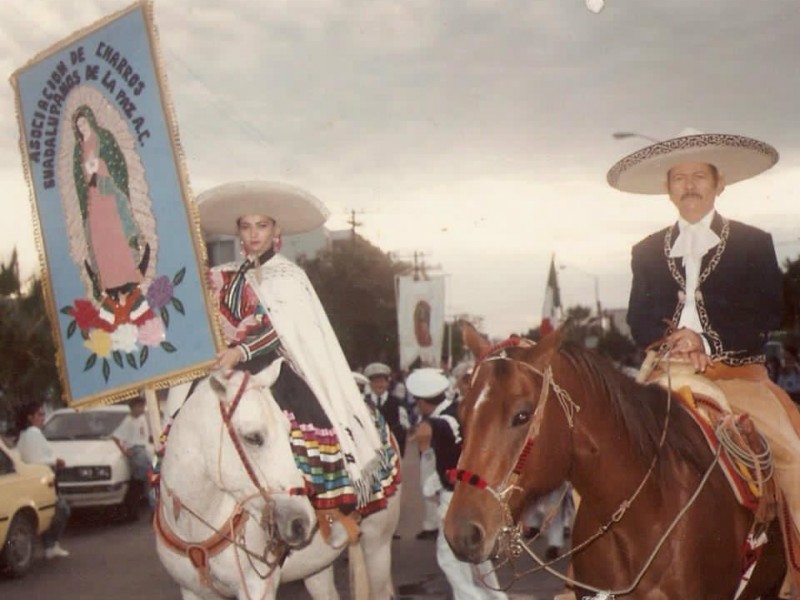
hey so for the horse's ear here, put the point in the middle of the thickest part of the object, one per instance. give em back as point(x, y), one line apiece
point(218, 387)
point(268, 376)
point(551, 343)
point(473, 340)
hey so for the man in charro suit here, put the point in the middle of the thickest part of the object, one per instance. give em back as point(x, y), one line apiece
point(714, 286)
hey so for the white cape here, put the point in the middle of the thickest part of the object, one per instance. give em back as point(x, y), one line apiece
point(314, 351)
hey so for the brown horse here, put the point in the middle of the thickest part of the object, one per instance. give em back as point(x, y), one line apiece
point(657, 518)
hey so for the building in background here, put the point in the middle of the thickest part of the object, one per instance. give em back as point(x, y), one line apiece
point(222, 249)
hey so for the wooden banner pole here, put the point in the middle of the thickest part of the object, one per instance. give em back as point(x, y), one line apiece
point(153, 413)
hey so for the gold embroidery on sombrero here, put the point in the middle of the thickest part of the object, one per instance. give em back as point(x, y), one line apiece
point(683, 143)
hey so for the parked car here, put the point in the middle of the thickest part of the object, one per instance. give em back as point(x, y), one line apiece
point(27, 506)
point(96, 472)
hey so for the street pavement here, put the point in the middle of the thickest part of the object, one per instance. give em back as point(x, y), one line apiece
point(117, 560)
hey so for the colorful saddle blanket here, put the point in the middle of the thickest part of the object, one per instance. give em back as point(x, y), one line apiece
point(744, 454)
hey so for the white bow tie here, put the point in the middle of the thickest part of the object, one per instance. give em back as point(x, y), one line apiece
point(694, 241)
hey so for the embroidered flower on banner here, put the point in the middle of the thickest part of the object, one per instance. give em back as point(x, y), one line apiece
point(121, 331)
point(98, 342)
point(123, 338)
point(160, 292)
point(151, 333)
point(85, 314)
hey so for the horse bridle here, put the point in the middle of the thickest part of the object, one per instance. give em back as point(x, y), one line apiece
point(227, 416)
point(508, 484)
point(511, 531)
point(232, 531)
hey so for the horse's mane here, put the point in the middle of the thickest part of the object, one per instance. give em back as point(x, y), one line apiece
point(641, 409)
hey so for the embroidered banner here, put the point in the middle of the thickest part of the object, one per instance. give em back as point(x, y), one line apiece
point(118, 238)
point(420, 321)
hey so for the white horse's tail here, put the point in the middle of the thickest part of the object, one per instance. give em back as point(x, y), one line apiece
point(359, 579)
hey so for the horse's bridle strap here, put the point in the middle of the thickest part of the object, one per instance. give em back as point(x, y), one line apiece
point(467, 477)
point(212, 545)
point(227, 415)
point(510, 480)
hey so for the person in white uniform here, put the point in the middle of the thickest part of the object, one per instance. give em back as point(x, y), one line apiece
point(440, 431)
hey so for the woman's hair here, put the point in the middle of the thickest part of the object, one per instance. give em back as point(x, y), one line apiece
point(82, 112)
point(24, 414)
point(238, 219)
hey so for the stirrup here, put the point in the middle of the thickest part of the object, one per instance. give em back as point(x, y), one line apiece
point(327, 517)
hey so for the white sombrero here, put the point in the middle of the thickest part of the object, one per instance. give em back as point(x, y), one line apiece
point(736, 158)
point(427, 383)
point(377, 369)
point(294, 210)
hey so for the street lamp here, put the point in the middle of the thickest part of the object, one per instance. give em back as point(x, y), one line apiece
point(621, 135)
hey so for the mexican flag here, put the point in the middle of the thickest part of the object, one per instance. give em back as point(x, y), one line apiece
point(551, 310)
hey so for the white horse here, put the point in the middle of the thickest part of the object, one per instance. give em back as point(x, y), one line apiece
point(230, 495)
point(370, 560)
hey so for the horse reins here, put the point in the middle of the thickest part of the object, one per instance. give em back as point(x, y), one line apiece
point(508, 485)
point(231, 533)
point(227, 415)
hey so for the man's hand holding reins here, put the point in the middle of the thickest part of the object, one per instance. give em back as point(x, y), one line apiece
point(687, 344)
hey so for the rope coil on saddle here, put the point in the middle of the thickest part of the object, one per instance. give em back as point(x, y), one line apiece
point(757, 466)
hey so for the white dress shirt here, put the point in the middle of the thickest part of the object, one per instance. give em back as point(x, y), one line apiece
point(693, 242)
point(133, 431)
point(34, 448)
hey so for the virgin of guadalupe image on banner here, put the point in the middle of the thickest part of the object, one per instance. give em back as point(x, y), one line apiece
point(420, 321)
point(118, 237)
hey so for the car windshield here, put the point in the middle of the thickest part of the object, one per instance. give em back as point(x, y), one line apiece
point(91, 425)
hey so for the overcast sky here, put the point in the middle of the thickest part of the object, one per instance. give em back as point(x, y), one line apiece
point(476, 131)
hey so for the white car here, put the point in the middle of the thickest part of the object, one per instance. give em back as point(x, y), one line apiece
point(96, 471)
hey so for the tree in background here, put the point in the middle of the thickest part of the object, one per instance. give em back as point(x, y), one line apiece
point(589, 332)
point(355, 282)
point(27, 352)
point(791, 296)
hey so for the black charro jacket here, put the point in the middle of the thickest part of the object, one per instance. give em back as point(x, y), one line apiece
point(739, 297)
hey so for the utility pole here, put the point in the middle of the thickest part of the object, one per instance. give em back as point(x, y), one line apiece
point(353, 224)
point(420, 267)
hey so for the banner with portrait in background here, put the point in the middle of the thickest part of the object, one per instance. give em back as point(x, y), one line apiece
point(118, 238)
point(420, 321)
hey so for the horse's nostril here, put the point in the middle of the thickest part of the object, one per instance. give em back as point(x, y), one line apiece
point(298, 528)
point(474, 535)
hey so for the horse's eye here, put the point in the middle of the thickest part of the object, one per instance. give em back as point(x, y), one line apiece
point(521, 418)
point(254, 439)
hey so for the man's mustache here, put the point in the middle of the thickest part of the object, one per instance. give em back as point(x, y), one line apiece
point(690, 195)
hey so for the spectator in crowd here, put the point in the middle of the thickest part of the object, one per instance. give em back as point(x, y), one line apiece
point(461, 376)
point(394, 412)
point(552, 515)
point(789, 374)
point(361, 381)
point(133, 435)
point(34, 448)
point(440, 432)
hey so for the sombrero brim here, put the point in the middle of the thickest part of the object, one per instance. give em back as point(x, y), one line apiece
point(736, 158)
point(426, 383)
point(293, 209)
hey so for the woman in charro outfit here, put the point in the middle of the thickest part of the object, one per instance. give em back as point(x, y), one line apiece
point(269, 311)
